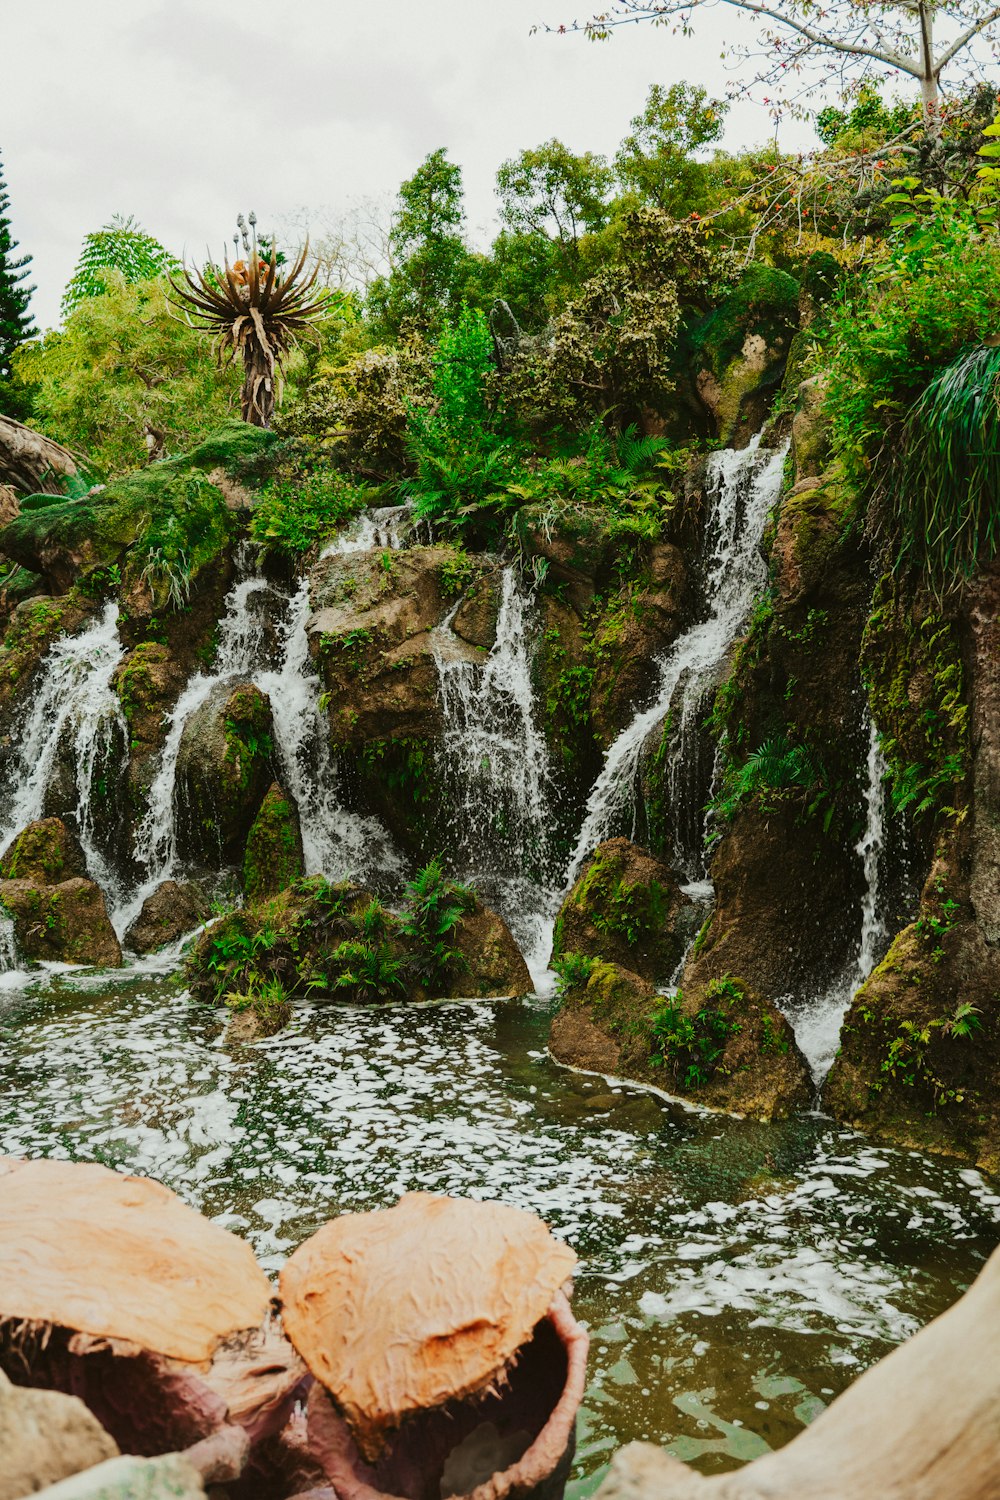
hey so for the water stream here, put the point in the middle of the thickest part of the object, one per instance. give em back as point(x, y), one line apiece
point(74, 713)
point(743, 486)
point(735, 1276)
point(495, 774)
point(817, 1020)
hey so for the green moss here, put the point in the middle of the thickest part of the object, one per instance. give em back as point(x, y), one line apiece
point(766, 301)
point(273, 856)
point(632, 912)
point(248, 735)
point(912, 664)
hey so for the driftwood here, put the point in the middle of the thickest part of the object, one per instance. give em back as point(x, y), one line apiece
point(31, 463)
point(923, 1424)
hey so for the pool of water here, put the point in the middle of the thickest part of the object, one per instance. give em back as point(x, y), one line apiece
point(735, 1276)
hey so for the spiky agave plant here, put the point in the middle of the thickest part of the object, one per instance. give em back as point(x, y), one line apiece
point(254, 309)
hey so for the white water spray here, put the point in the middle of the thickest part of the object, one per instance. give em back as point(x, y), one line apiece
point(75, 711)
point(817, 1023)
point(743, 487)
point(497, 775)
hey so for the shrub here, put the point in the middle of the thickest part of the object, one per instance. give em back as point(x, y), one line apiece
point(434, 907)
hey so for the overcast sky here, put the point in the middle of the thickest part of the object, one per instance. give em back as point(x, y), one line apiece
point(186, 113)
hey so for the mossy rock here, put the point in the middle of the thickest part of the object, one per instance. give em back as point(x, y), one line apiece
point(65, 922)
point(175, 908)
point(224, 769)
point(29, 633)
point(739, 351)
point(490, 964)
point(728, 1047)
point(45, 852)
point(274, 857)
point(627, 907)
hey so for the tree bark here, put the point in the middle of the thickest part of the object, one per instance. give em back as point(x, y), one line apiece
point(31, 463)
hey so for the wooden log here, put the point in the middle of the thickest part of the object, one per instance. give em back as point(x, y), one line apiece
point(30, 462)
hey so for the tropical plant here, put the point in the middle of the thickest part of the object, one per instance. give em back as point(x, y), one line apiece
point(572, 970)
point(366, 969)
point(776, 766)
point(255, 312)
point(123, 248)
point(941, 499)
point(125, 382)
point(435, 905)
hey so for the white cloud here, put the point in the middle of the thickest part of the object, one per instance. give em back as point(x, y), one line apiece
point(186, 113)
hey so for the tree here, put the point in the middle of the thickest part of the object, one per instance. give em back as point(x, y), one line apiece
point(549, 190)
point(256, 311)
point(432, 265)
point(841, 39)
point(124, 381)
point(656, 159)
point(121, 246)
point(15, 320)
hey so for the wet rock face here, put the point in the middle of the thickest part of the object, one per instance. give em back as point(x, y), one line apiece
point(919, 1046)
point(626, 907)
point(274, 857)
point(66, 922)
point(370, 634)
point(223, 773)
point(45, 852)
point(638, 625)
point(45, 1437)
point(741, 350)
point(173, 909)
point(490, 961)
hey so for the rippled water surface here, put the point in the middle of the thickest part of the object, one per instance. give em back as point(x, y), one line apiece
point(735, 1276)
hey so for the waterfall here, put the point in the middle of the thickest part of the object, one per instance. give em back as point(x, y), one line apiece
point(390, 526)
point(74, 710)
point(743, 487)
point(335, 842)
point(496, 774)
point(817, 1023)
point(8, 943)
point(241, 643)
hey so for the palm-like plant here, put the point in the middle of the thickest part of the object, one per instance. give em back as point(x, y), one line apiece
point(253, 310)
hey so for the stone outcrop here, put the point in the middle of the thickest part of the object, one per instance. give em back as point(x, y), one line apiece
point(490, 963)
point(273, 857)
point(223, 773)
point(740, 350)
point(44, 1437)
point(725, 1047)
point(626, 907)
point(66, 922)
point(45, 852)
point(176, 907)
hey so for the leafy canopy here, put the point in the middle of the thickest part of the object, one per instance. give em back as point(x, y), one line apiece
point(121, 246)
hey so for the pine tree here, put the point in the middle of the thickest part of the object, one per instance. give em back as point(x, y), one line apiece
point(15, 320)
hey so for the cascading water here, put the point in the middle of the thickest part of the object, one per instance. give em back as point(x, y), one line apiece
point(817, 1023)
point(8, 944)
point(75, 712)
point(743, 487)
point(496, 773)
point(335, 842)
point(389, 526)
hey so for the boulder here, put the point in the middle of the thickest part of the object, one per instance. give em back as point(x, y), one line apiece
point(171, 1477)
point(173, 909)
point(637, 626)
point(573, 541)
point(46, 852)
point(44, 1437)
point(491, 963)
point(726, 1048)
point(274, 855)
point(627, 907)
point(370, 633)
point(223, 773)
point(67, 922)
point(475, 619)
